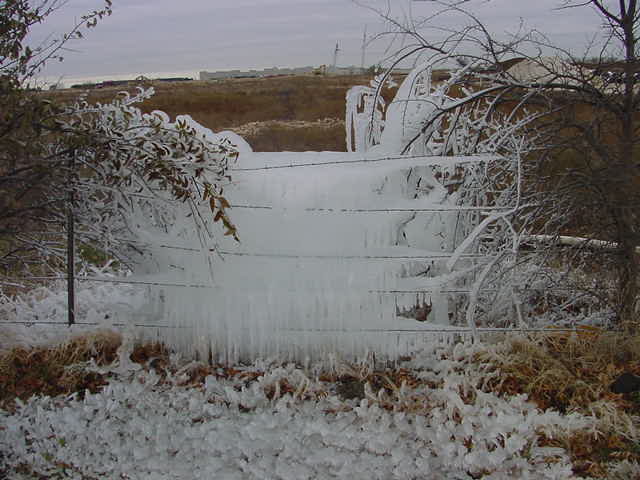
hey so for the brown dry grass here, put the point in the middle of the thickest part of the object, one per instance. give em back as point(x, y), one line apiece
point(59, 370)
point(235, 102)
point(572, 372)
point(51, 371)
point(229, 104)
point(298, 139)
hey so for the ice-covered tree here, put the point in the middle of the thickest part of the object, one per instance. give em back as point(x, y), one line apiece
point(459, 116)
point(592, 165)
point(130, 169)
point(89, 163)
point(26, 127)
point(578, 118)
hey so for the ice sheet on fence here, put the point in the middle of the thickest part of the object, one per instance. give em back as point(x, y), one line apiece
point(305, 325)
point(309, 281)
point(329, 184)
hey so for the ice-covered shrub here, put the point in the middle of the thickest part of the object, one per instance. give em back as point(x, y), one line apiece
point(481, 200)
point(136, 170)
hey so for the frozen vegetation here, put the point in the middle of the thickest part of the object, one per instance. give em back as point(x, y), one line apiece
point(340, 257)
point(337, 252)
point(431, 417)
point(141, 427)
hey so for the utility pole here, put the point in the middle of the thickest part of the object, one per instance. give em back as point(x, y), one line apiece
point(335, 56)
point(364, 48)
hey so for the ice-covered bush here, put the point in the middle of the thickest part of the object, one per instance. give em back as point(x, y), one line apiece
point(135, 170)
point(481, 201)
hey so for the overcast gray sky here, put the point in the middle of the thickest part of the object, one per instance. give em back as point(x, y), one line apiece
point(180, 37)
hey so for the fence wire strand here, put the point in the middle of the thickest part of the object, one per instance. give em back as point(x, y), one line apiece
point(425, 331)
point(435, 161)
point(461, 208)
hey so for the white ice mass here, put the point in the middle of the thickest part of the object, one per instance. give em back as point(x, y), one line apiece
point(339, 252)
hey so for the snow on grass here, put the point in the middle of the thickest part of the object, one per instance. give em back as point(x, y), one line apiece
point(38, 316)
point(272, 421)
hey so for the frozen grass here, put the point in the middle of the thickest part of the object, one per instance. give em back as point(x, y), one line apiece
point(37, 316)
point(572, 372)
point(38, 350)
point(427, 419)
point(510, 409)
point(564, 371)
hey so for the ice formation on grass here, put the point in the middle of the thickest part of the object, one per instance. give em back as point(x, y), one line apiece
point(39, 317)
point(233, 427)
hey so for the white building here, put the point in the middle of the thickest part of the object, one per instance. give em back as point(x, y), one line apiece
point(267, 72)
point(544, 70)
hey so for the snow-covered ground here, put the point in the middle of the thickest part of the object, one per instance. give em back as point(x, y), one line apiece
point(277, 421)
point(289, 424)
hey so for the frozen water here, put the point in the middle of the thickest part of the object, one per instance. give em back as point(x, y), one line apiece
point(338, 252)
point(327, 246)
point(288, 423)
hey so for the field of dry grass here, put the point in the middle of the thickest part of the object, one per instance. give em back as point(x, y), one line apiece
point(573, 372)
point(299, 113)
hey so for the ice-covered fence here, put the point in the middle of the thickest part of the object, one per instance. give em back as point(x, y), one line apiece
point(339, 252)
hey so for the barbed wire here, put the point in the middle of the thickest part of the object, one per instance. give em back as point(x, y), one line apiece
point(436, 161)
point(118, 280)
point(376, 210)
point(318, 330)
point(90, 324)
point(437, 330)
point(434, 289)
point(26, 232)
point(489, 290)
point(431, 256)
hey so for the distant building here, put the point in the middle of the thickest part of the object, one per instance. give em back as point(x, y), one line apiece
point(542, 70)
point(267, 72)
point(337, 71)
point(531, 71)
point(278, 72)
point(172, 79)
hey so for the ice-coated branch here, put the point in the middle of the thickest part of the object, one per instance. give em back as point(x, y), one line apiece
point(141, 167)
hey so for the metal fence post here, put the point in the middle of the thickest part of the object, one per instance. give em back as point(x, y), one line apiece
point(71, 295)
